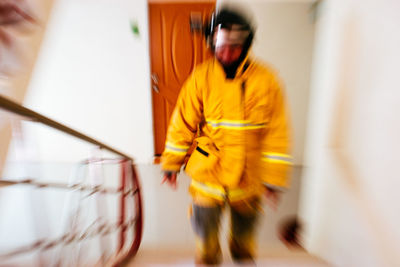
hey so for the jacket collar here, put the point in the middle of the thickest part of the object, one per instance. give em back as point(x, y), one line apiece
point(240, 71)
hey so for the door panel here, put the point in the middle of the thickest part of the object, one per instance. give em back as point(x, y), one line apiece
point(174, 51)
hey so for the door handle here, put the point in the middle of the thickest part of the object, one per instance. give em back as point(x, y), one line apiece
point(154, 78)
point(155, 88)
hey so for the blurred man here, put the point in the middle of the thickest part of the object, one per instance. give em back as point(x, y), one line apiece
point(233, 108)
point(13, 14)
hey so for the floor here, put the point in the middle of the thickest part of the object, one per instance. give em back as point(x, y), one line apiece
point(281, 258)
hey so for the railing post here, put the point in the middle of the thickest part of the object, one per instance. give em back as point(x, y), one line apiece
point(139, 211)
point(122, 206)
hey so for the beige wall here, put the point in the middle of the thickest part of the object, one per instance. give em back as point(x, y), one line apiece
point(350, 195)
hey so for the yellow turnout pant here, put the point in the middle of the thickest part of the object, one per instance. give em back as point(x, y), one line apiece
point(205, 218)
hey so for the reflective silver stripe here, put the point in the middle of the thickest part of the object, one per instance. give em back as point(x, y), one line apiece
point(235, 124)
point(218, 192)
point(288, 159)
point(208, 190)
point(176, 148)
point(277, 158)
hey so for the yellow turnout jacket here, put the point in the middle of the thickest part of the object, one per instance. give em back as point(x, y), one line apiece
point(240, 129)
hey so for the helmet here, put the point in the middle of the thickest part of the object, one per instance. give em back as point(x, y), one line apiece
point(233, 25)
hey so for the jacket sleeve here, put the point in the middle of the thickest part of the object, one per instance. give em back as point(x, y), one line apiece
point(276, 159)
point(183, 125)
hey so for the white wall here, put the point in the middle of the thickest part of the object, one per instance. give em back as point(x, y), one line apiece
point(93, 75)
point(350, 194)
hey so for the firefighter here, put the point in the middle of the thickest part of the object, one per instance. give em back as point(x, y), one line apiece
point(233, 108)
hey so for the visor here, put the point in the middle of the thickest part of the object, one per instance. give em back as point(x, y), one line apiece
point(233, 35)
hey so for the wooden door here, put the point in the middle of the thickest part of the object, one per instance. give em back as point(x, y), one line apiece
point(175, 50)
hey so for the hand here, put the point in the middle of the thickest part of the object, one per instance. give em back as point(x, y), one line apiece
point(273, 198)
point(170, 178)
point(289, 232)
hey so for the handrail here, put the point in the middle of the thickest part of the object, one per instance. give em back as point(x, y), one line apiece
point(14, 107)
point(128, 191)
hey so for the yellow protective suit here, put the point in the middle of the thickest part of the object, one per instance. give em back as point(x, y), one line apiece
point(240, 127)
